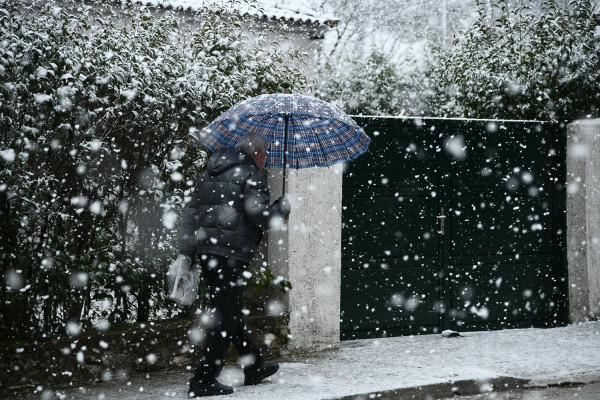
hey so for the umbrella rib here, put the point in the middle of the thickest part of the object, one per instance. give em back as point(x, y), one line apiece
point(321, 148)
point(297, 156)
point(325, 156)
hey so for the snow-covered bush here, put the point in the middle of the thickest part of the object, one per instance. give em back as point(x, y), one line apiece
point(524, 63)
point(100, 108)
point(373, 85)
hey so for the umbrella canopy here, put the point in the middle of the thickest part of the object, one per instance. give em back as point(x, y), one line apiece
point(303, 131)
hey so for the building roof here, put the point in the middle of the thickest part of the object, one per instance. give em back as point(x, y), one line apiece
point(276, 10)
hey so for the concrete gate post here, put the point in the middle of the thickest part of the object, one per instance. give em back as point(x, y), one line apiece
point(308, 253)
point(583, 219)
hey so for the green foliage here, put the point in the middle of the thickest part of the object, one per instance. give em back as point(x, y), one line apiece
point(100, 114)
point(264, 280)
point(522, 64)
point(373, 85)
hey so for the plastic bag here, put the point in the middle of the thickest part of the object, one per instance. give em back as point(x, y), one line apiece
point(183, 280)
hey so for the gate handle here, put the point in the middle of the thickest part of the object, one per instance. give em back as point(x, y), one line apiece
point(442, 219)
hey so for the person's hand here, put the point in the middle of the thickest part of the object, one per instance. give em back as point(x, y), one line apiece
point(283, 207)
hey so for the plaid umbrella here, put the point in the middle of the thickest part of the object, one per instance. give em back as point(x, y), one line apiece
point(303, 131)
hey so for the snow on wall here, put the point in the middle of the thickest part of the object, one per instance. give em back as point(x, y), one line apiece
point(287, 11)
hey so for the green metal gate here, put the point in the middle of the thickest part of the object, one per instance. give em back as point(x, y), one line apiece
point(454, 224)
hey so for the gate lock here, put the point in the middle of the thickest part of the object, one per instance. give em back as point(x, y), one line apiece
point(442, 218)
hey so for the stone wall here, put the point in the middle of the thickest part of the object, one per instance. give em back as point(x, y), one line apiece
point(583, 219)
point(308, 253)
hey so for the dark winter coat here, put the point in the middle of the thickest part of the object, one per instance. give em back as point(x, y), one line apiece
point(229, 208)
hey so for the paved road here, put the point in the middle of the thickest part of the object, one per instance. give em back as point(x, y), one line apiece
point(586, 392)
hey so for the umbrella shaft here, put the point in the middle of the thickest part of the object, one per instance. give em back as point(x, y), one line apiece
point(285, 134)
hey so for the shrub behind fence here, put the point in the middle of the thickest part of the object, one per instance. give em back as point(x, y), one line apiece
point(100, 111)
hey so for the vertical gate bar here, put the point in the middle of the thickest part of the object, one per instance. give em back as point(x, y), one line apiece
point(559, 132)
point(445, 202)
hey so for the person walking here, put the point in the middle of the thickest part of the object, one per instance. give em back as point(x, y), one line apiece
point(221, 228)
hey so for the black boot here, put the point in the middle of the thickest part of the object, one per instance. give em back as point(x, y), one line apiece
point(254, 376)
point(202, 389)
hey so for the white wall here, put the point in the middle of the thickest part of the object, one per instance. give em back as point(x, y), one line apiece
point(583, 219)
point(308, 253)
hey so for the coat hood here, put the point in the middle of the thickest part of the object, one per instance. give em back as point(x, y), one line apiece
point(226, 158)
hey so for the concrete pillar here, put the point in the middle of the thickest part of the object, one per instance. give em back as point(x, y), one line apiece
point(308, 254)
point(583, 219)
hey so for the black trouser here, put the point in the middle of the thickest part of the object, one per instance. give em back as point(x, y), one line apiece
point(225, 283)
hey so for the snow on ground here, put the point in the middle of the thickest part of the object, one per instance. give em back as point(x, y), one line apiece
point(365, 366)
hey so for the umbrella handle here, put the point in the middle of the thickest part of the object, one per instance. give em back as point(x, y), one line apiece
point(285, 134)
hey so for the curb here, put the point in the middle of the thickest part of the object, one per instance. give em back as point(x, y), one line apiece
point(565, 381)
point(443, 390)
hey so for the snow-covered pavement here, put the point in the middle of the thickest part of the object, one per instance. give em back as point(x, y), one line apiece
point(399, 367)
